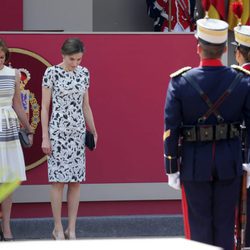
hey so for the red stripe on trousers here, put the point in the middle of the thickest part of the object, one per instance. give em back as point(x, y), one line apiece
point(185, 214)
point(236, 229)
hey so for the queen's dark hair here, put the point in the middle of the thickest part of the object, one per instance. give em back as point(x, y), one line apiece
point(72, 46)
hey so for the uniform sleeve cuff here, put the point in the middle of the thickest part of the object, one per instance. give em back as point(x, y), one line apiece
point(171, 165)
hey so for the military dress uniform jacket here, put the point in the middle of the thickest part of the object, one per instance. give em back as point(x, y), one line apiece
point(202, 161)
point(182, 12)
point(155, 13)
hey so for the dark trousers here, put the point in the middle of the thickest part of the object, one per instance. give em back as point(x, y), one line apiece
point(248, 219)
point(210, 211)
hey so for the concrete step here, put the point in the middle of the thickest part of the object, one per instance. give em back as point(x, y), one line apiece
point(103, 227)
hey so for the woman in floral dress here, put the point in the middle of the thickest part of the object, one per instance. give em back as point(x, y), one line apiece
point(66, 85)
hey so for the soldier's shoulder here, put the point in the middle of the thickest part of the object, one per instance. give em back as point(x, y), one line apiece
point(180, 71)
point(240, 69)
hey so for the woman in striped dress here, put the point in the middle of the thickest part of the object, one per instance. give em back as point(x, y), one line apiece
point(12, 164)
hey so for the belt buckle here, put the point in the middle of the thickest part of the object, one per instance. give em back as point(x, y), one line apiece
point(234, 130)
point(221, 131)
point(189, 133)
point(205, 133)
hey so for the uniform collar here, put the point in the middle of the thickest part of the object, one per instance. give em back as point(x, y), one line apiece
point(210, 63)
point(246, 66)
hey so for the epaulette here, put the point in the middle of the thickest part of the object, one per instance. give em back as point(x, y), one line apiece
point(180, 71)
point(241, 69)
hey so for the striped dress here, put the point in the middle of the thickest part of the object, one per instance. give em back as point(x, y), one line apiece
point(11, 156)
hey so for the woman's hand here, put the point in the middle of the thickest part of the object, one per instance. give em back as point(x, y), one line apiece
point(30, 136)
point(46, 146)
point(95, 139)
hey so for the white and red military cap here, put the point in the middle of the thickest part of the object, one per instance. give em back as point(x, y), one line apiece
point(242, 35)
point(212, 30)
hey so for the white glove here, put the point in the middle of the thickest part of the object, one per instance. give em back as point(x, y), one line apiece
point(174, 180)
point(246, 167)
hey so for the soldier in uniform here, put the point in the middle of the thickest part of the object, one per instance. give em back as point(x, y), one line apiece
point(204, 109)
point(182, 12)
point(242, 56)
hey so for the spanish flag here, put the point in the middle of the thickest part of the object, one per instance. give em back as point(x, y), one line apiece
point(245, 19)
point(217, 9)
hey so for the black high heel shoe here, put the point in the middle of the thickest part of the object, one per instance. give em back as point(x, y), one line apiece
point(2, 238)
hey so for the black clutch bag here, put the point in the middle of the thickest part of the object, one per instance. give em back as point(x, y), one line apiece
point(89, 140)
point(24, 139)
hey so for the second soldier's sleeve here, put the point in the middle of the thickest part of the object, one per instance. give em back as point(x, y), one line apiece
point(247, 120)
point(172, 123)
